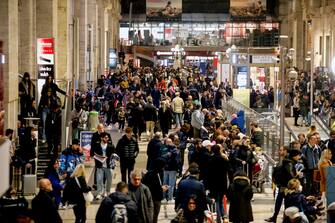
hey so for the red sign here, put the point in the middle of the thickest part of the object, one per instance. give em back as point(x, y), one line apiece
point(46, 45)
point(45, 51)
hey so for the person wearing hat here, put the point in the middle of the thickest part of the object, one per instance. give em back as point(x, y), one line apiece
point(70, 158)
point(292, 215)
point(188, 186)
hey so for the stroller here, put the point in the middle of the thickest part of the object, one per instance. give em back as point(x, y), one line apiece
point(258, 172)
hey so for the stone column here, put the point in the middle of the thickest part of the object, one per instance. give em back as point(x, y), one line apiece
point(9, 34)
point(27, 37)
point(60, 33)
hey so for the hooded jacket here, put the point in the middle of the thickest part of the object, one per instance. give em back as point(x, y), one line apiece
point(107, 206)
point(240, 194)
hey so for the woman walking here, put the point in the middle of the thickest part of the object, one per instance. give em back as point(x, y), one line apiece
point(73, 193)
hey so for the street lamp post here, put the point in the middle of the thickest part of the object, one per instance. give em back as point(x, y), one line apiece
point(282, 99)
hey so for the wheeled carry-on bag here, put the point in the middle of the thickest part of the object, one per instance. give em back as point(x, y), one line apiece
point(29, 182)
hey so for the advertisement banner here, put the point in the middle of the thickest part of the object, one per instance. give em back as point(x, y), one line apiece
point(164, 10)
point(45, 57)
point(85, 142)
point(247, 8)
point(112, 58)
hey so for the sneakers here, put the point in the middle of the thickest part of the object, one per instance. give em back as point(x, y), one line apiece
point(272, 219)
point(98, 197)
point(62, 207)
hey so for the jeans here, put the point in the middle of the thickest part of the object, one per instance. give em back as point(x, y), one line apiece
point(170, 178)
point(179, 119)
point(45, 112)
point(80, 213)
point(150, 128)
point(219, 207)
point(101, 173)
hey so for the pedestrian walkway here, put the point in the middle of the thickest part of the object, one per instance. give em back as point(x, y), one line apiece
point(262, 204)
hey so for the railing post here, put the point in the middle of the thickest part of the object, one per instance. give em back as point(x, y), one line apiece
point(267, 139)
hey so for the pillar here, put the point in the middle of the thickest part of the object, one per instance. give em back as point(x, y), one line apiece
point(27, 37)
point(9, 34)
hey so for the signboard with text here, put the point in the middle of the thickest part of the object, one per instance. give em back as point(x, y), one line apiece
point(164, 9)
point(85, 142)
point(262, 59)
point(45, 57)
point(247, 8)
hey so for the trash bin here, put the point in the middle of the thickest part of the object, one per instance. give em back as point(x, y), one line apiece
point(93, 120)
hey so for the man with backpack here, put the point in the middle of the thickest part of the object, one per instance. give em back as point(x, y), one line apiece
point(117, 207)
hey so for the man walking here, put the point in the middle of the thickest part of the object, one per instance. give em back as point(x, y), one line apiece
point(142, 196)
point(127, 149)
point(150, 117)
point(177, 108)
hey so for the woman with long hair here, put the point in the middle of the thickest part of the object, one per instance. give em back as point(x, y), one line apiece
point(324, 162)
point(73, 193)
point(190, 214)
point(53, 175)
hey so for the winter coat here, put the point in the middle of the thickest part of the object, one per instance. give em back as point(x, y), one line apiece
point(147, 206)
point(240, 194)
point(186, 188)
point(197, 119)
point(177, 105)
point(296, 199)
point(153, 152)
point(171, 156)
point(150, 113)
point(153, 180)
point(257, 137)
point(57, 187)
point(217, 175)
point(165, 118)
point(44, 209)
point(73, 194)
point(109, 151)
point(95, 142)
point(127, 148)
point(69, 160)
point(311, 156)
point(107, 206)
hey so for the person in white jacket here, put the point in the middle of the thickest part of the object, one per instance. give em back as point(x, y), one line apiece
point(197, 121)
point(177, 108)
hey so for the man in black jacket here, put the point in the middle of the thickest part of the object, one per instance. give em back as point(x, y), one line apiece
point(150, 117)
point(153, 150)
point(127, 149)
point(188, 186)
point(153, 179)
point(43, 206)
point(120, 196)
point(104, 157)
point(95, 142)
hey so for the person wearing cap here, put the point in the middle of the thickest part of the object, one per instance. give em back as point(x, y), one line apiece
point(292, 215)
point(177, 108)
point(188, 186)
point(70, 158)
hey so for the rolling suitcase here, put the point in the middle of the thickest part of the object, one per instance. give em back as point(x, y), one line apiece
point(29, 182)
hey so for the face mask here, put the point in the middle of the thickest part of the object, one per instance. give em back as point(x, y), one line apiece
point(300, 189)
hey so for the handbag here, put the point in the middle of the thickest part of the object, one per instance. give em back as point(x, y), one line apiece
point(87, 196)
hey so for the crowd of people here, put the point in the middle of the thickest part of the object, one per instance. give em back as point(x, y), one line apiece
point(181, 112)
